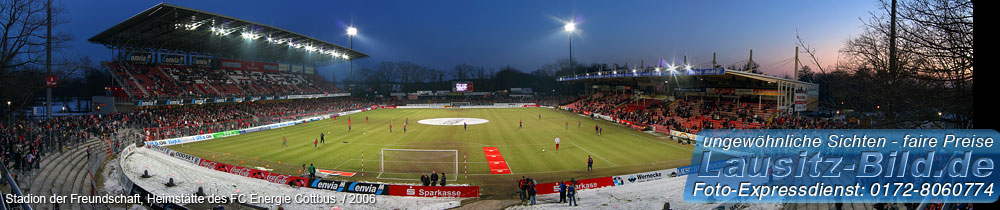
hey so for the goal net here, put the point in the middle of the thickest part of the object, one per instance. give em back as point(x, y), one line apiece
point(409, 164)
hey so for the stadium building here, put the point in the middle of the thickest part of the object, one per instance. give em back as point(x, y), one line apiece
point(172, 55)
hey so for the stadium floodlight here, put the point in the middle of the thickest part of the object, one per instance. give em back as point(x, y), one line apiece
point(352, 31)
point(672, 68)
point(687, 67)
point(250, 35)
point(570, 27)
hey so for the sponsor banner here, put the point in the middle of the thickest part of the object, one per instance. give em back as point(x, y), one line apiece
point(283, 67)
point(532, 106)
point(690, 136)
point(583, 184)
point(694, 168)
point(181, 140)
point(765, 92)
point(644, 177)
point(689, 89)
point(175, 154)
point(728, 91)
point(351, 187)
point(220, 100)
point(387, 107)
point(146, 103)
point(744, 91)
point(434, 191)
point(230, 64)
point(605, 117)
point(175, 102)
point(268, 66)
point(226, 134)
point(139, 57)
point(171, 59)
point(201, 61)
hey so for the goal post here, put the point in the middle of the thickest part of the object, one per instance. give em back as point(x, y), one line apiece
point(408, 164)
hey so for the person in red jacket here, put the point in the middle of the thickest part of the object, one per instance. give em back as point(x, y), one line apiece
point(590, 163)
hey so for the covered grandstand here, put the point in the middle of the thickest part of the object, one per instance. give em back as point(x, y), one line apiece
point(168, 55)
point(719, 82)
point(683, 102)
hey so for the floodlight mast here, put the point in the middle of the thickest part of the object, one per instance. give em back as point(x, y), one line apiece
point(570, 27)
point(351, 31)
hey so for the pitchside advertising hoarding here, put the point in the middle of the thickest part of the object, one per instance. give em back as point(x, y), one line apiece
point(844, 166)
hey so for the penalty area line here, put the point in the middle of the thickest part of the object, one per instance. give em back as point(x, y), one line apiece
point(595, 154)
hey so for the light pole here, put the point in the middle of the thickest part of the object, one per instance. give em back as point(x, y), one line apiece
point(570, 27)
point(351, 31)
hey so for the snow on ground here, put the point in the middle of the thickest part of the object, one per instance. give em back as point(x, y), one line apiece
point(646, 195)
point(112, 185)
point(188, 177)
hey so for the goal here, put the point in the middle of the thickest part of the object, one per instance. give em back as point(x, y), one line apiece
point(409, 164)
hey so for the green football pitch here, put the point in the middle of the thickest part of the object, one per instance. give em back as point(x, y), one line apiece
point(529, 151)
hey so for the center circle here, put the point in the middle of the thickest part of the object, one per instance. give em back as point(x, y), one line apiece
point(453, 121)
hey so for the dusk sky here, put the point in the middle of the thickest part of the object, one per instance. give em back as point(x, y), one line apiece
point(526, 34)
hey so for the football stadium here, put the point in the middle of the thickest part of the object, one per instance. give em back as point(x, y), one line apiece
point(213, 107)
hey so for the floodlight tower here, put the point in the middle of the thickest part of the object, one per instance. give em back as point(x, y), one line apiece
point(351, 31)
point(570, 27)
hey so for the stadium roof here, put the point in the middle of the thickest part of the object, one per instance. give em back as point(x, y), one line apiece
point(692, 72)
point(175, 29)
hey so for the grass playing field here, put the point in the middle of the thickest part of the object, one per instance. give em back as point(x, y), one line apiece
point(618, 150)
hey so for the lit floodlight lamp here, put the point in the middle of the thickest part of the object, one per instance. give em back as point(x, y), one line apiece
point(687, 67)
point(249, 35)
point(570, 27)
point(352, 31)
point(346, 57)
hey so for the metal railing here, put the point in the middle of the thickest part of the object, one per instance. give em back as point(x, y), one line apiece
point(13, 188)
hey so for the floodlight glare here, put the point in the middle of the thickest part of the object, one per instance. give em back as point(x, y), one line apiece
point(352, 31)
point(687, 67)
point(570, 27)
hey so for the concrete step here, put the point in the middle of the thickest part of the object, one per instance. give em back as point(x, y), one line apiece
point(61, 181)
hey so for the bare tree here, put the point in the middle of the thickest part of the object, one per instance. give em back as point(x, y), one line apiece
point(22, 49)
point(933, 56)
point(463, 72)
